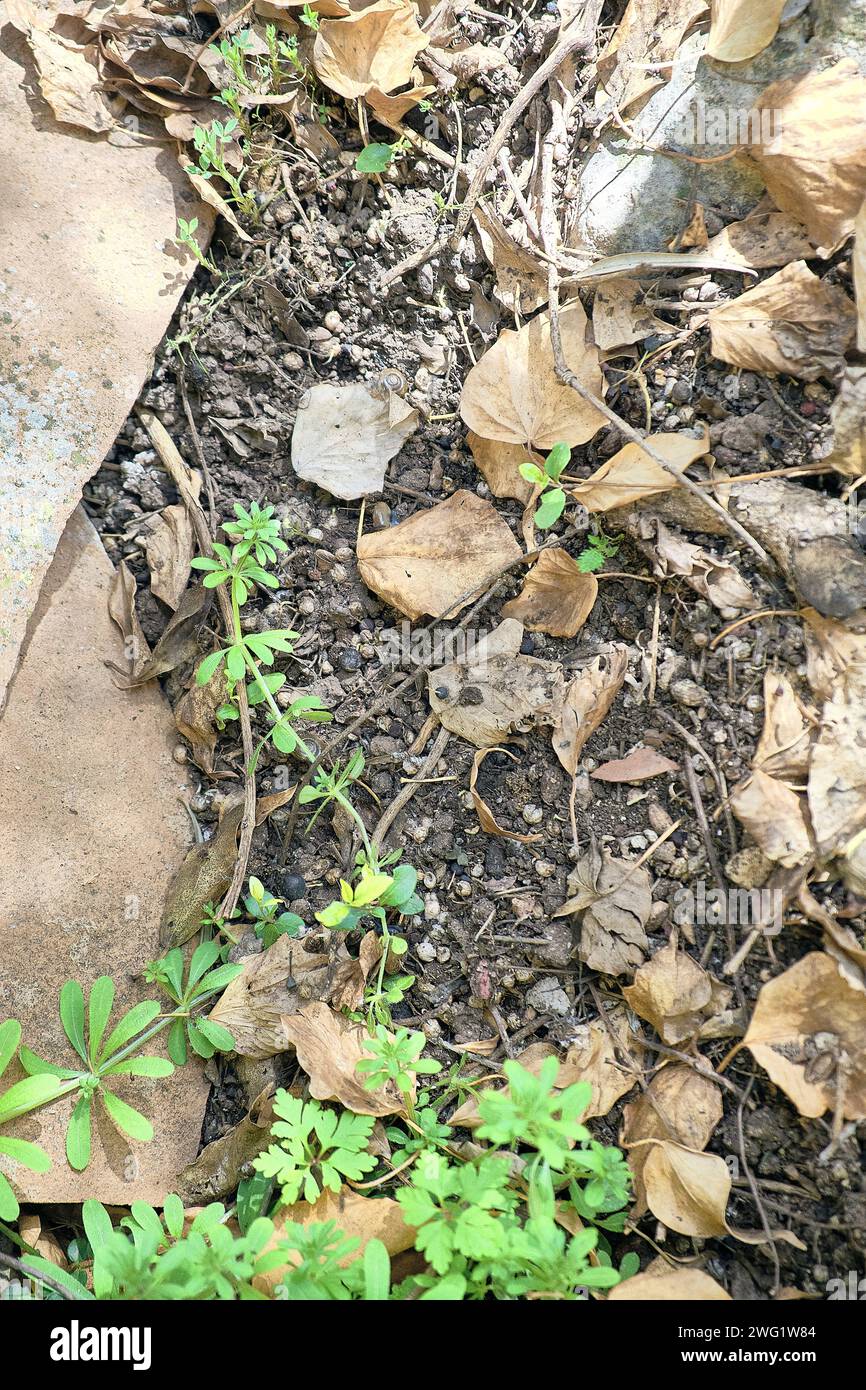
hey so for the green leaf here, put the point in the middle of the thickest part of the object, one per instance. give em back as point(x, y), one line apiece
point(532, 473)
point(286, 740)
point(557, 460)
point(143, 1066)
point(208, 666)
point(78, 1135)
point(97, 1223)
point(217, 980)
point(9, 1207)
point(72, 1016)
point(198, 1042)
point(23, 1151)
point(177, 1042)
point(215, 1033)
point(28, 1095)
point(374, 159)
point(377, 1271)
point(59, 1276)
point(590, 560)
point(131, 1121)
point(235, 664)
point(273, 681)
point(550, 508)
point(10, 1037)
point(37, 1066)
point(172, 1211)
point(134, 1021)
point(205, 955)
point(100, 1005)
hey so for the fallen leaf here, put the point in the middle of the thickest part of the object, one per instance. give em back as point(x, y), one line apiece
point(712, 578)
point(556, 598)
point(837, 772)
point(170, 546)
point(694, 234)
point(178, 642)
point(814, 163)
point(351, 975)
point(216, 1172)
point(70, 81)
point(793, 323)
point(356, 1216)
point(666, 1285)
point(499, 465)
point(613, 899)
point(680, 1104)
point(344, 437)
point(390, 110)
point(687, 1191)
point(848, 418)
point(495, 690)
point(762, 240)
point(833, 652)
point(254, 1004)
point(636, 60)
point(514, 394)
point(808, 1032)
point(785, 744)
point(122, 611)
point(214, 199)
point(587, 701)
point(620, 317)
point(43, 1242)
point(202, 878)
point(486, 818)
point(631, 475)
point(521, 280)
point(775, 817)
point(740, 29)
point(593, 1056)
point(194, 716)
point(438, 560)
point(328, 1047)
point(636, 766)
point(374, 47)
point(673, 993)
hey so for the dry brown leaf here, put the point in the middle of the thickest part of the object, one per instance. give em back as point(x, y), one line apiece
point(833, 653)
point(673, 993)
point(631, 475)
point(637, 59)
point(202, 878)
point(350, 977)
point(620, 317)
point(775, 817)
point(613, 898)
point(514, 394)
point(499, 465)
point(70, 81)
point(45, 1243)
point(808, 1032)
point(680, 1104)
point(328, 1047)
point(556, 598)
point(495, 690)
point(216, 1172)
point(848, 418)
point(390, 110)
point(344, 437)
point(587, 701)
point(521, 280)
point(762, 240)
point(814, 164)
point(374, 47)
point(666, 1285)
point(438, 560)
point(357, 1217)
point(194, 718)
point(837, 772)
point(694, 234)
point(716, 580)
point(594, 1057)
point(170, 547)
point(785, 744)
point(122, 611)
point(636, 766)
point(794, 323)
point(253, 1005)
point(486, 818)
point(687, 1191)
point(740, 28)
point(178, 642)
point(858, 266)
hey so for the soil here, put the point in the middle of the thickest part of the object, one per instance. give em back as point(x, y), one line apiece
point(487, 936)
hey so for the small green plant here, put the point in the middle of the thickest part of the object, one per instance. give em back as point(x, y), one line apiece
point(206, 976)
point(310, 17)
point(210, 143)
point(20, 1098)
point(186, 237)
point(598, 549)
point(396, 1058)
point(429, 1133)
point(233, 52)
point(264, 910)
point(317, 1148)
point(103, 1058)
point(376, 158)
point(552, 501)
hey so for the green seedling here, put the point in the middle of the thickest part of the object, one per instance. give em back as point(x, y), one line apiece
point(264, 910)
point(310, 17)
point(206, 976)
point(186, 237)
point(376, 158)
point(552, 500)
point(210, 143)
point(317, 1149)
point(24, 1096)
point(233, 52)
point(429, 1133)
point(598, 549)
point(396, 1058)
point(103, 1058)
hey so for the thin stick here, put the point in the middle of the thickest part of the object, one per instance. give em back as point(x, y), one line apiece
point(403, 797)
point(12, 1262)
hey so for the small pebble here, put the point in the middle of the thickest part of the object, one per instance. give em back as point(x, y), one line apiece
point(179, 753)
point(532, 814)
point(425, 950)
